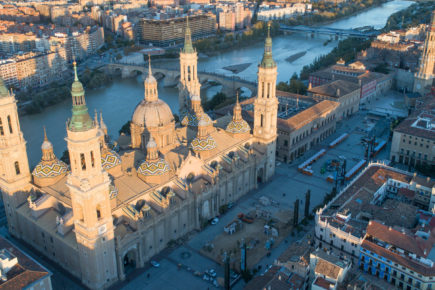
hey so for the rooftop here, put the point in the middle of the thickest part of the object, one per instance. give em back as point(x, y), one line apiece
point(27, 271)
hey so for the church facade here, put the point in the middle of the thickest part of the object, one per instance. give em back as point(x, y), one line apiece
point(108, 212)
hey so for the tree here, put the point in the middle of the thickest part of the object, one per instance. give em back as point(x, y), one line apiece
point(125, 129)
point(296, 213)
point(307, 203)
point(65, 157)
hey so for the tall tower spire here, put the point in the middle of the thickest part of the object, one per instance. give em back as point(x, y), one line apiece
point(150, 83)
point(188, 47)
point(89, 186)
point(266, 107)
point(267, 60)
point(14, 165)
point(189, 84)
point(424, 77)
point(80, 120)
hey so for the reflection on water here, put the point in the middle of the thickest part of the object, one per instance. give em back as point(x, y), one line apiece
point(118, 100)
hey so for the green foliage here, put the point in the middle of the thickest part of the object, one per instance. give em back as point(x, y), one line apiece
point(223, 209)
point(65, 157)
point(125, 129)
point(382, 68)
point(346, 49)
point(294, 86)
point(217, 101)
point(250, 35)
point(412, 16)
point(329, 11)
point(246, 275)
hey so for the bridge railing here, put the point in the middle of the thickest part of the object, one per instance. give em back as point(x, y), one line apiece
point(203, 72)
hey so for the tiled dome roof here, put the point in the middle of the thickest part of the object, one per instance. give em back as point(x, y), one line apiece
point(109, 159)
point(158, 167)
point(205, 144)
point(52, 168)
point(238, 126)
point(192, 119)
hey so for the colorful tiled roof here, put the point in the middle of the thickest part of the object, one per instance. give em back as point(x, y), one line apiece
point(158, 167)
point(50, 169)
point(109, 159)
point(205, 144)
point(239, 126)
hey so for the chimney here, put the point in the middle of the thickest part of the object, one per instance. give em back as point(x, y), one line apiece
point(338, 92)
point(359, 82)
point(333, 77)
point(428, 179)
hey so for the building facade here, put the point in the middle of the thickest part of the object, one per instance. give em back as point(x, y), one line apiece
point(109, 212)
point(169, 32)
point(413, 141)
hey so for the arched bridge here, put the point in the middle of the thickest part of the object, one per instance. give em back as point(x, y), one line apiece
point(329, 30)
point(172, 76)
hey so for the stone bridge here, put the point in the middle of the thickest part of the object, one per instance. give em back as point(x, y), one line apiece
point(171, 77)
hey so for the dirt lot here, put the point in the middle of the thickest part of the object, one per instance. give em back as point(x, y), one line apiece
point(254, 237)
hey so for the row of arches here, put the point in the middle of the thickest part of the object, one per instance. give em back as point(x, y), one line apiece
point(9, 125)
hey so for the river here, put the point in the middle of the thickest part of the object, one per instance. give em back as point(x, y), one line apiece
point(118, 100)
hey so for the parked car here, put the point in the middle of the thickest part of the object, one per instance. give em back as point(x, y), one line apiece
point(155, 264)
point(230, 205)
point(214, 221)
point(206, 277)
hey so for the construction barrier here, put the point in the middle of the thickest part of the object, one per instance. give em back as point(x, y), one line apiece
point(338, 140)
point(355, 169)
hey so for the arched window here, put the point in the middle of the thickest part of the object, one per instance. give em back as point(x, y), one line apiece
point(98, 212)
point(1, 128)
point(261, 120)
point(83, 161)
point(17, 168)
point(92, 159)
point(10, 124)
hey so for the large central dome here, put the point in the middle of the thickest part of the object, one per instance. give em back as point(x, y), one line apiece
point(152, 114)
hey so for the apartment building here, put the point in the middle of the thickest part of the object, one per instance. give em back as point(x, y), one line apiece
point(379, 193)
point(169, 32)
point(413, 141)
point(79, 45)
point(404, 259)
point(234, 17)
point(33, 69)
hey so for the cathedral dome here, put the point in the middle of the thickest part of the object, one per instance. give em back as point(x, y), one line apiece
point(153, 167)
point(53, 168)
point(203, 144)
point(238, 126)
point(192, 119)
point(49, 167)
point(152, 114)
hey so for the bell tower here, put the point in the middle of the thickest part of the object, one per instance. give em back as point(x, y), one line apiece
point(424, 77)
point(266, 107)
point(89, 188)
point(189, 84)
point(14, 166)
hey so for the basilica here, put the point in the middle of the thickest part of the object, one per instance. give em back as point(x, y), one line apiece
point(108, 212)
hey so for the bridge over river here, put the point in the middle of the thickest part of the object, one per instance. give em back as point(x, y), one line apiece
point(171, 77)
point(329, 30)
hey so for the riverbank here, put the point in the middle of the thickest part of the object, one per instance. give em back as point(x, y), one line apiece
point(330, 13)
point(57, 92)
